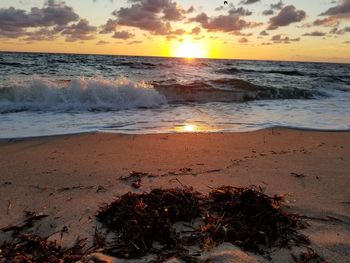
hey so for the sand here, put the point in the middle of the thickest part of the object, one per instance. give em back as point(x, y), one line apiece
point(69, 177)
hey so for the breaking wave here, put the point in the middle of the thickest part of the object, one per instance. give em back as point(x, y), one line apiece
point(99, 94)
point(80, 94)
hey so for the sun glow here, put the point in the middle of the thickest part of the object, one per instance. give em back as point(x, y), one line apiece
point(188, 128)
point(189, 49)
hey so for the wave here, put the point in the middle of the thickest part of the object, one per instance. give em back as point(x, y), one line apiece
point(227, 90)
point(11, 64)
point(228, 71)
point(135, 65)
point(233, 70)
point(98, 94)
point(80, 94)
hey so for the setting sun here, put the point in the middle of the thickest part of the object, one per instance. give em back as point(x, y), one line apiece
point(189, 50)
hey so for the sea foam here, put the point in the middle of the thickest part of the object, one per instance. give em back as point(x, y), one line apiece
point(78, 94)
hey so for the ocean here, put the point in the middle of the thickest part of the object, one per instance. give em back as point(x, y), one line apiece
point(51, 94)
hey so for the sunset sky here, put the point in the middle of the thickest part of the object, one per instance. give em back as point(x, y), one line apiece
point(301, 30)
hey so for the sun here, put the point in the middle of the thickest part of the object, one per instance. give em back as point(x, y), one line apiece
point(189, 49)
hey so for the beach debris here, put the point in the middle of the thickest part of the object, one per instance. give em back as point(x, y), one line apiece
point(33, 248)
point(135, 176)
point(148, 223)
point(79, 187)
point(5, 183)
point(136, 184)
point(141, 220)
point(9, 205)
point(248, 218)
point(298, 175)
point(101, 189)
point(186, 170)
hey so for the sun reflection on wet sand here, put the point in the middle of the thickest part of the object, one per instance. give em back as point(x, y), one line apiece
point(189, 128)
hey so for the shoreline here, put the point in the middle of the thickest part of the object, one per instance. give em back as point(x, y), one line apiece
point(5, 139)
point(68, 177)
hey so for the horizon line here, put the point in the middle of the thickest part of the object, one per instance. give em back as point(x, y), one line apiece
point(170, 57)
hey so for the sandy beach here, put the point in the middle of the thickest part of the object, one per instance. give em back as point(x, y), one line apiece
point(69, 177)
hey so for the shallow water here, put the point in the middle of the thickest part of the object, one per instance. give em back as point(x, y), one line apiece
point(43, 94)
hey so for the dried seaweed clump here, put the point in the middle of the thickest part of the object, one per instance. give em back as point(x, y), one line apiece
point(249, 219)
point(245, 217)
point(33, 248)
point(140, 220)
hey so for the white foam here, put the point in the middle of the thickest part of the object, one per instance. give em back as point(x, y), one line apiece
point(79, 94)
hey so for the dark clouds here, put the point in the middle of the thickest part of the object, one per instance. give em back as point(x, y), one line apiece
point(79, 31)
point(15, 22)
point(46, 23)
point(279, 39)
point(315, 34)
point(342, 9)
point(225, 23)
point(151, 15)
point(286, 16)
point(328, 22)
point(164, 18)
point(340, 31)
point(123, 35)
point(109, 27)
point(247, 2)
point(277, 6)
point(334, 16)
point(263, 33)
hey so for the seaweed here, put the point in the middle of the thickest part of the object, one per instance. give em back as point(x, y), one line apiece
point(141, 220)
point(146, 223)
point(33, 248)
point(249, 219)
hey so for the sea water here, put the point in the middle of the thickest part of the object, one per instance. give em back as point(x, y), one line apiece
point(49, 94)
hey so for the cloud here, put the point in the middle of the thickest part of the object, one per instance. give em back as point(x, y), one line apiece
point(279, 39)
point(79, 31)
point(277, 6)
point(328, 22)
point(42, 34)
point(342, 9)
point(196, 30)
point(247, 2)
point(151, 15)
point(239, 11)
point(102, 42)
point(109, 27)
point(263, 33)
point(225, 23)
point(123, 35)
point(135, 42)
point(268, 12)
point(340, 31)
point(51, 14)
point(44, 24)
point(315, 34)
point(243, 40)
point(286, 16)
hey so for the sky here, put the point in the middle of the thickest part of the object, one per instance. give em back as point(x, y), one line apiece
point(293, 30)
